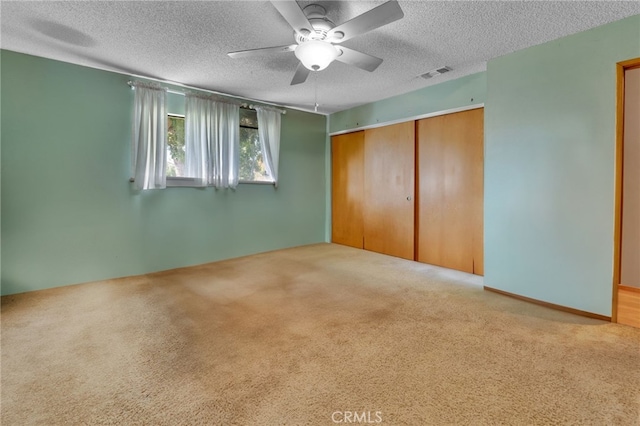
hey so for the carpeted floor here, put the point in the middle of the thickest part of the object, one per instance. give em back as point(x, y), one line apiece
point(315, 335)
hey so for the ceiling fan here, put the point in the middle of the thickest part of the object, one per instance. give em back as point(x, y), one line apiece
point(318, 39)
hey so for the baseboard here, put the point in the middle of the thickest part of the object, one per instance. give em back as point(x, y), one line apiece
point(550, 305)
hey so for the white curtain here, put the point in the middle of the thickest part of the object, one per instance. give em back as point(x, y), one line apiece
point(212, 141)
point(269, 134)
point(198, 129)
point(149, 138)
point(226, 145)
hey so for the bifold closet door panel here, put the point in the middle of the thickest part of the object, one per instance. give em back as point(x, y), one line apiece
point(347, 189)
point(389, 189)
point(450, 191)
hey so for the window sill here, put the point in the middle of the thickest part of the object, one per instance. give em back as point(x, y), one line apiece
point(177, 182)
point(183, 182)
point(256, 182)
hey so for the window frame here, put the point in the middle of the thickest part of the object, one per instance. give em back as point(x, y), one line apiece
point(191, 182)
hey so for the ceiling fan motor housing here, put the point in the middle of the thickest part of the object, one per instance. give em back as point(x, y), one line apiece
point(317, 16)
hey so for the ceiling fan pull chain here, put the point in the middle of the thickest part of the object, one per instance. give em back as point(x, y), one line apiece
point(315, 81)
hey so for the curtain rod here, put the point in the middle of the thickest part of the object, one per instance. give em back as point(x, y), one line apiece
point(242, 104)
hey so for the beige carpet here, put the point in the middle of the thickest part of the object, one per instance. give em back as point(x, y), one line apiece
point(298, 336)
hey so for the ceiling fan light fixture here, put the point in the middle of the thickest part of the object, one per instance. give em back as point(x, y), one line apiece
point(316, 55)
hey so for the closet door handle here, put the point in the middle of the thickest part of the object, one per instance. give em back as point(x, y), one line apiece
point(409, 198)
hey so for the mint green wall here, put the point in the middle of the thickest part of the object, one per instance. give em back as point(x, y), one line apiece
point(549, 167)
point(465, 91)
point(69, 214)
point(549, 160)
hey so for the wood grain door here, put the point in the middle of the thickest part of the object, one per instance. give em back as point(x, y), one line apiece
point(451, 191)
point(347, 186)
point(389, 188)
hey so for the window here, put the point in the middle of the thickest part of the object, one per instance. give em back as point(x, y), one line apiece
point(251, 165)
point(175, 146)
point(230, 143)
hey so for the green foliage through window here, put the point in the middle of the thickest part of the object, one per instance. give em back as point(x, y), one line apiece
point(175, 146)
point(251, 166)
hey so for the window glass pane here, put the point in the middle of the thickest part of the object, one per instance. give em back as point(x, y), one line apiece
point(248, 118)
point(175, 146)
point(252, 166)
point(251, 161)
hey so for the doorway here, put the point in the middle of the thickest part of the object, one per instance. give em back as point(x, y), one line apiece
point(626, 277)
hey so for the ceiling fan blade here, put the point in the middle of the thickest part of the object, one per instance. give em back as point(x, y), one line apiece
point(301, 74)
point(262, 51)
point(384, 14)
point(292, 13)
point(358, 59)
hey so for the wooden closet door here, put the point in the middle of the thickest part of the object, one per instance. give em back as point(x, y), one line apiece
point(389, 188)
point(451, 191)
point(347, 188)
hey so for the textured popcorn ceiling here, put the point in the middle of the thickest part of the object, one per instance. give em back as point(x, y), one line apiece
point(187, 41)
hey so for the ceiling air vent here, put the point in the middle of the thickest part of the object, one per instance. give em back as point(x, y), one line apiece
point(436, 72)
